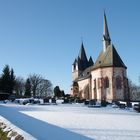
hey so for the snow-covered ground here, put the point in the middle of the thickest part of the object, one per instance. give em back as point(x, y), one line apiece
point(73, 122)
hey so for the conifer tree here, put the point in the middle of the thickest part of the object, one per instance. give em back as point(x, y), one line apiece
point(57, 92)
point(7, 80)
point(12, 80)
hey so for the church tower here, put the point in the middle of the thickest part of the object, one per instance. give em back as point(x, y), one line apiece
point(80, 63)
point(109, 72)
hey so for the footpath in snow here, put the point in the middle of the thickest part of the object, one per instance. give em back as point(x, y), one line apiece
point(73, 122)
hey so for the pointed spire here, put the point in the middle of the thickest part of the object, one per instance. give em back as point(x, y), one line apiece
point(74, 61)
point(90, 61)
point(106, 36)
point(82, 59)
point(106, 32)
point(82, 54)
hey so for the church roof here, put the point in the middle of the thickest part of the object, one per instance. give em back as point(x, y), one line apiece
point(82, 53)
point(74, 61)
point(85, 74)
point(109, 58)
point(82, 60)
point(90, 61)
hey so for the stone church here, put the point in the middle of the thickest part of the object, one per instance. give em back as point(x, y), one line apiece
point(106, 79)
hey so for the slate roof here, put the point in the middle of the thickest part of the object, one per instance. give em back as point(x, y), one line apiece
point(84, 75)
point(109, 58)
point(90, 61)
point(82, 53)
point(82, 60)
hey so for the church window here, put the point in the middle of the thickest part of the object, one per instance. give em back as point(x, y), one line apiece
point(126, 82)
point(99, 82)
point(94, 84)
point(75, 84)
point(118, 82)
point(106, 82)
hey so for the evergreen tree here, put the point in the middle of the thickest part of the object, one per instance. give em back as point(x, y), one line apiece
point(7, 80)
point(12, 80)
point(57, 92)
point(62, 93)
point(28, 88)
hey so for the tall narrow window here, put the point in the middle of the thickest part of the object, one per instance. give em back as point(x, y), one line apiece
point(106, 82)
point(99, 82)
point(118, 82)
point(94, 84)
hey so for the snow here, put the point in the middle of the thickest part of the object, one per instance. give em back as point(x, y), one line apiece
point(10, 126)
point(73, 122)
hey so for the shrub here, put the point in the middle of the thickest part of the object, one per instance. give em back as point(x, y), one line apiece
point(3, 135)
point(122, 105)
point(104, 103)
point(129, 104)
point(137, 107)
point(86, 102)
point(92, 102)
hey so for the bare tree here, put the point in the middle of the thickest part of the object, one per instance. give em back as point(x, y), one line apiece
point(19, 86)
point(134, 91)
point(45, 88)
point(27, 88)
point(35, 80)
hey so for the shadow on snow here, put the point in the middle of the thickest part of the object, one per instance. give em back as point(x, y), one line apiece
point(37, 128)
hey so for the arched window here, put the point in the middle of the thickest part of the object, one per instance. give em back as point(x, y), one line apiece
point(75, 84)
point(106, 82)
point(118, 82)
point(99, 82)
point(94, 83)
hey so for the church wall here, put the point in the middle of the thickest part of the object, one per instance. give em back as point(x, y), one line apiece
point(119, 93)
point(119, 71)
point(75, 74)
point(110, 93)
point(96, 92)
point(82, 85)
point(102, 93)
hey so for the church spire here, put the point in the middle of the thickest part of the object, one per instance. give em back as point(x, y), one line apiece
point(90, 61)
point(82, 54)
point(106, 37)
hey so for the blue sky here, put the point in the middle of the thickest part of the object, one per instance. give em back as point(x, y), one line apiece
point(44, 36)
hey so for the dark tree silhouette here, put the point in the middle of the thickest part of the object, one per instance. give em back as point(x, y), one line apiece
point(57, 92)
point(35, 80)
point(62, 93)
point(12, 80)
point(19, 86)
point(7, 80)
point(45, 88)
point(28, 88)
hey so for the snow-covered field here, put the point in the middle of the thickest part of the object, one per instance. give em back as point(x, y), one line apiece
point(72, 122)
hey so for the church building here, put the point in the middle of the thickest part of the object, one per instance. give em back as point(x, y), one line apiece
point(106, 79)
